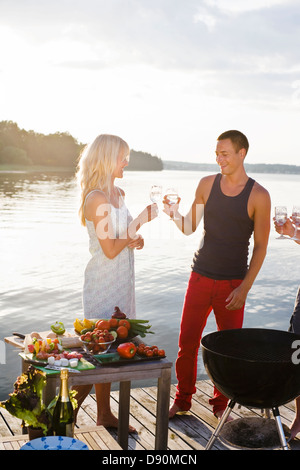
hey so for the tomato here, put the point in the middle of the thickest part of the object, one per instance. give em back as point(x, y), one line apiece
point(96, 348)
point(125, 323)
point(150, 351)
point(103, 325)
point(113, 322)
point(122, 332)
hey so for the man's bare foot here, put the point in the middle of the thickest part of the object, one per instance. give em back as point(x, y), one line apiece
point(173, 410)
point(295, 428)
point(110, 421)
point(219, 415)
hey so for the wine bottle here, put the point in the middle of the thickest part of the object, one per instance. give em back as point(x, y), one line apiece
point(63, 414)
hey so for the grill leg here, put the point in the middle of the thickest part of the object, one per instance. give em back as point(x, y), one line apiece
point(280, 429)
point(266, 413)
point(216, 432)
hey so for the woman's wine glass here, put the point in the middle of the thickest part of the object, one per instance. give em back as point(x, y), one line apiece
point(296, 220)
point(172, 197)
point(281, 218)
point(156, 193)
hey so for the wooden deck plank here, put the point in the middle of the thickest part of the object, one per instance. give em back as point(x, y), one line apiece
point(186, 427)
point(95, 437)
point(145, 407)
point(91, 443)
point(187, 431)
point(12, 424)
point(139, 440)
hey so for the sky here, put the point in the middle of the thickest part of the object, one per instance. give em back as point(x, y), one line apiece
point(168, 76)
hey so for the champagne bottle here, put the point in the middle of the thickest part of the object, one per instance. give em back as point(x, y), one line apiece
point(63, 414)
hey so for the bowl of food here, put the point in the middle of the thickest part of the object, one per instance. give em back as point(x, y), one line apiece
point(97, 341)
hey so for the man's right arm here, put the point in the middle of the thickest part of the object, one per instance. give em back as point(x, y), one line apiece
point(188, 224)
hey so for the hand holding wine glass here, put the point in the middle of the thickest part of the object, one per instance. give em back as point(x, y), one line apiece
point(280, 219)
point(156, 193)
point(171, 198)
point(296, 220)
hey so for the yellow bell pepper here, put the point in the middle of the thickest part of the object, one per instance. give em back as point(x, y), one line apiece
point(78, 325)
point(88, 323)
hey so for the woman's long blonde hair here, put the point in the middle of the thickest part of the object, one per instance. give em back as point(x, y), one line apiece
point(96, 165)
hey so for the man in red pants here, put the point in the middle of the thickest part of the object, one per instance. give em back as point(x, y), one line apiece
point(234, 207)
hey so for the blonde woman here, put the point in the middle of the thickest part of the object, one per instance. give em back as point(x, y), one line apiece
point(109, 276)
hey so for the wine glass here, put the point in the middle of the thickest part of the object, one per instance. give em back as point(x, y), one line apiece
point(281, 218)
point(156, 193)
point(172, 197)
point(296, 220)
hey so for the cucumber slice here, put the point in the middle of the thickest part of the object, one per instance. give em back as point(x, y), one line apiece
point(114, 333)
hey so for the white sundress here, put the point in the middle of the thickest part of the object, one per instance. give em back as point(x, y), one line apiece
point(109, 282)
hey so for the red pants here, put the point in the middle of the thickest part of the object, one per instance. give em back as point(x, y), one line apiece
point(202, 296)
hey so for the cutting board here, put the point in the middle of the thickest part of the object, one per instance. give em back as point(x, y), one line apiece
point(67, 341)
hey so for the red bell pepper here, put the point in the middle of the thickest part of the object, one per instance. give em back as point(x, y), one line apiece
point(126, 350)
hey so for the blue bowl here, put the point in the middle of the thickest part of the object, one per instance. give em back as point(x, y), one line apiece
point(55, 443)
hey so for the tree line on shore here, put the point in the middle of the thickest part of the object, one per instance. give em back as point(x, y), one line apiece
point(19, 147)
point(272, 168)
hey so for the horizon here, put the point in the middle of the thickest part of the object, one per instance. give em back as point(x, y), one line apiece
point(212, 163)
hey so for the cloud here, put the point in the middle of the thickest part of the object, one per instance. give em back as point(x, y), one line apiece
point(166, 61)
point(235, 6)
point(170, 34)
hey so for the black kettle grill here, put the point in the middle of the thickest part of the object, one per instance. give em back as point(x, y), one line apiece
point(253, 367)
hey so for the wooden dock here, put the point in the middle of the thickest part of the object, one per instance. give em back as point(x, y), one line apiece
point(187, 432)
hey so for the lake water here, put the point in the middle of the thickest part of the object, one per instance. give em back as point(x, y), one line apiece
point(44, 251)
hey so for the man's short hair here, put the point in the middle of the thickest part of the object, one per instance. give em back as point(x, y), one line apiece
point(238, 139)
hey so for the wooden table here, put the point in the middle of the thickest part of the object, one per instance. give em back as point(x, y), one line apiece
point(159, 369)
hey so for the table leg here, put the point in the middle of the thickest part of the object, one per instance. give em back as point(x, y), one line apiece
point(124, 402)
point(162, 410)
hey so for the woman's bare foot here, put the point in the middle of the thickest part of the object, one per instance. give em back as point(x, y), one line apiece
point(219, 415)
point(173, 410)
point(295, 428)
point(110, 421)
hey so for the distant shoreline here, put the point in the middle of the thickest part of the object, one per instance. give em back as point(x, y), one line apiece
point(28, 151)
point(251, 167)
point(167, 165)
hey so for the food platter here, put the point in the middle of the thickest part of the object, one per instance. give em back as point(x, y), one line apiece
point(94, 342)
point(113, 359)
point(83, 364)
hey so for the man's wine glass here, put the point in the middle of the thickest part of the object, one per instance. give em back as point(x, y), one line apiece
point(296, 220)
point(281, 218)
point(172, 197)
